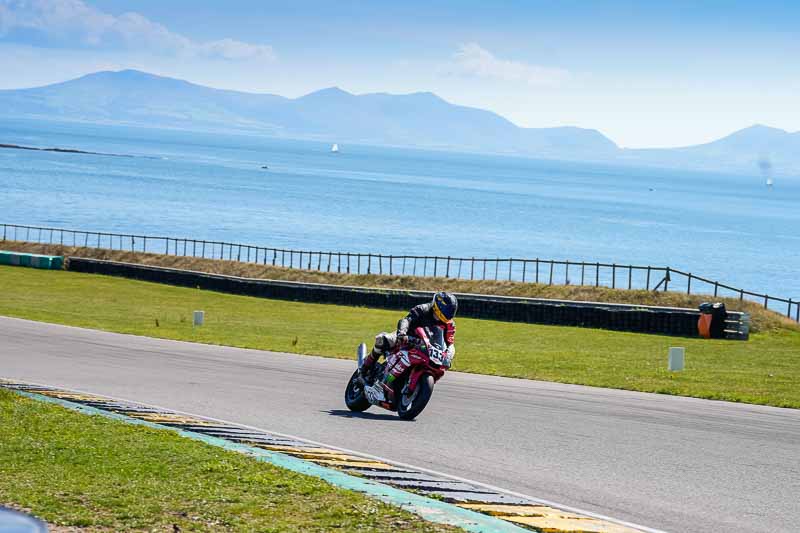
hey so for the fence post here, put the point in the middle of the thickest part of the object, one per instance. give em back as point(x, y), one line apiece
point(716, 288)
point(647, 287)
point(583, 272)
point(510, 263)
point(484, 270)
point(537, 270)
point(741, 294)
point(496, 267)
point(524, 267)
point(566, 274)
point(797, 304)
point(666, 280)
point(380, 264)
point(613, 275)
point(391, 272)
point(689, 284)
point(330, 258)
point(766, 301)
point(597, 275)
point(369, 263)
point(4, 232)
point(447, 271)
point(789, 310)
point(414, 271)
point(460, 263)
point(404, 265)
point(319, 260)
point(630, 277)
point(551, 272)
point(435, 265)
point(472, 269)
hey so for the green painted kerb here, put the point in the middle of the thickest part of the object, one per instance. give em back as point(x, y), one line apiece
point(427, 508)
point(49, 262)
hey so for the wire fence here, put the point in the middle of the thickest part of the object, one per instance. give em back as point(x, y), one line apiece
point(537, 270)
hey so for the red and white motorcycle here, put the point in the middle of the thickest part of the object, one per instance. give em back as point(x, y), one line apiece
point(404, 381)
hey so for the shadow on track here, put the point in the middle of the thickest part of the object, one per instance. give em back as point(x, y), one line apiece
point(345, 413)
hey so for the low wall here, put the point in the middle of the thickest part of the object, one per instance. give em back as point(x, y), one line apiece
point(621, 317)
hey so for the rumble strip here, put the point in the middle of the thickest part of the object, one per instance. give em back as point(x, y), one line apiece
point(433, 496)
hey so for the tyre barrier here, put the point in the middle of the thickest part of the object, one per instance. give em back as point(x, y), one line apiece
point(49, 262)
point(620, 317)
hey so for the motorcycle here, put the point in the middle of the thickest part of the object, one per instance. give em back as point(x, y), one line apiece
point(404, 381)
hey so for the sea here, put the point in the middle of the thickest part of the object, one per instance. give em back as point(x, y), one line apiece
point(388, 200)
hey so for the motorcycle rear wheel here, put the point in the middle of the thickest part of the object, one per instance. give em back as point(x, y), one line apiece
point(411, 405)
point(354, 396)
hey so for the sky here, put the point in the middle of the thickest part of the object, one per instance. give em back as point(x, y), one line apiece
point(646, 74)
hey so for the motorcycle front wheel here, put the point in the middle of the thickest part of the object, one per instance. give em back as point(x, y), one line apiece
point(411, 405)
point(354, 396)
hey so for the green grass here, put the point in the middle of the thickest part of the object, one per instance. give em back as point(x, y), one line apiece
point(764, 370)
point(72, 469)
point(761, 319)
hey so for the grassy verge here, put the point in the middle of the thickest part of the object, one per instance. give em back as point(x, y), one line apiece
point(762, 319)
point(764, 370)
point(90, 472)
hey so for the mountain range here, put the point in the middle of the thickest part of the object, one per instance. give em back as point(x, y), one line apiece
point(419, 119)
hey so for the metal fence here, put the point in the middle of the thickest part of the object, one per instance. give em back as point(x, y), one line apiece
point(537, 270)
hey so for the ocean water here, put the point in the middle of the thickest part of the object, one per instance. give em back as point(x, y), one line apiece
point(395, 201)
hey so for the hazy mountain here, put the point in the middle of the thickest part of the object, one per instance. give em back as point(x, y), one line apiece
point(418, 119)
point(754, 149)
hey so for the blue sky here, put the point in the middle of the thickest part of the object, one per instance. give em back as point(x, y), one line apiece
point(643, 73)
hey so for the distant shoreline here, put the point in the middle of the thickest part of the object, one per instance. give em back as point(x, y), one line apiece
point(59, 150)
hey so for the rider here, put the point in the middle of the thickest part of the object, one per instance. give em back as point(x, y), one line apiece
point(439, 312)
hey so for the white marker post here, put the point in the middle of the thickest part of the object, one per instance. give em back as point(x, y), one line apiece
point(198, 318)
point(676, 359)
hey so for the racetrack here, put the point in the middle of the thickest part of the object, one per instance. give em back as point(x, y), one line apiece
point(677, 464)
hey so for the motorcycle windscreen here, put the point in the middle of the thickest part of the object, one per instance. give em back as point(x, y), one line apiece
point(436, 336)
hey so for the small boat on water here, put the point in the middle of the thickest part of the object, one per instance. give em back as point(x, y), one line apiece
point(335, 148)
point(769, 182)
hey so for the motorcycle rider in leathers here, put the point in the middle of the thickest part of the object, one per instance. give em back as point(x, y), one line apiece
point(439, 312)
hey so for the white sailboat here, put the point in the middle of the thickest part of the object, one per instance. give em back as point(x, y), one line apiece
point(335, 148)
point(769, 182)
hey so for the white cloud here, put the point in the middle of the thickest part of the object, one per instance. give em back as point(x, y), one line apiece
point(473, 60)
point(74, 24)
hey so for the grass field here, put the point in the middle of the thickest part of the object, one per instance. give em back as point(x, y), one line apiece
point(97, 474)
point(762, 320)
point(763, 370)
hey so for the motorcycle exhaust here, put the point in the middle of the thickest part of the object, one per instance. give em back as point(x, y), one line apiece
point(361, 353)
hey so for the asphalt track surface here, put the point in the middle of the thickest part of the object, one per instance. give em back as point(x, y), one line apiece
point(670, 463)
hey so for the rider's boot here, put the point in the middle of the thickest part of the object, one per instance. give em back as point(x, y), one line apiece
point(366, 366)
